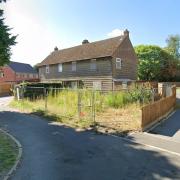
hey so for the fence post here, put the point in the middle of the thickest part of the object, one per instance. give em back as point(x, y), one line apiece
point(152, 95)
point(45, 99)
point(79, 104)
point(93, 107)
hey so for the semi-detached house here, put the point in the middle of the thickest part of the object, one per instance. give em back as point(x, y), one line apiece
point(101, 65)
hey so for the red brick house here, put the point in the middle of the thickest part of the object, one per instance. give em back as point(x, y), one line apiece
point(16, 72)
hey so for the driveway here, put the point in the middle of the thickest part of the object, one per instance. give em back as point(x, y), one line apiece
point(55, 152)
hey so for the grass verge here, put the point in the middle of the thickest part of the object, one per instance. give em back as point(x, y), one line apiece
point(8, 154)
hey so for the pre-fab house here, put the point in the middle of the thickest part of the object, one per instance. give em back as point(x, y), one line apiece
point(100, 65)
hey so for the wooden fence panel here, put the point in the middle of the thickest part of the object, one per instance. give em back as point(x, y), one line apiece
point(5, 89)
point(155, 111)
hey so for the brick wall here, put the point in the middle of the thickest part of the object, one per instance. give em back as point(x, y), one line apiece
point(129, 61)
point(9, 75)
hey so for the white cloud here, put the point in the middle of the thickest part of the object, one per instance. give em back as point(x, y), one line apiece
point(115, 32)
point(35, 38)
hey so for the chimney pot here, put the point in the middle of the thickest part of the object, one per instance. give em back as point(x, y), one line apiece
point(85, 41)
point(56, 48)
point(126, 32)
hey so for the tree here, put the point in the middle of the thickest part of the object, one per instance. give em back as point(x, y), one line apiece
point(173, 46)
point(6, 40)
point(155, 63)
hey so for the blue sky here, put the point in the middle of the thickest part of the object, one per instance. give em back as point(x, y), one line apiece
point(44, 24)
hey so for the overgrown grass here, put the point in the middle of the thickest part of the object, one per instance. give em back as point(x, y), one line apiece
point(75, 108)
point(8, 153)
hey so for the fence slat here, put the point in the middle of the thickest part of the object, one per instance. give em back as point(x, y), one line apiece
point(154, 111)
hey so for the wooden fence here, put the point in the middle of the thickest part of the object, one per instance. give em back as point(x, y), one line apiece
point(153, 112)
point(5, 89)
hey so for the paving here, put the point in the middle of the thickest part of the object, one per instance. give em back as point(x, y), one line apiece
point(55, 152)
point(166, 135)
point(170, 128)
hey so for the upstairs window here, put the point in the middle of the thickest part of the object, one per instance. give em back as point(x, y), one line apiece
point(1, 74)
point(118, 63)
point(60, 68)
point(74, 66)
point(40, 71)
point(47, 69)
point(93, 64)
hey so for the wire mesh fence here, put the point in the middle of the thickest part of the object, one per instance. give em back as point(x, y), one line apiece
point(84, 108)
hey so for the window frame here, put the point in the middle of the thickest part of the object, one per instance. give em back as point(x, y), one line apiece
point(93, 65)
point(97, 85)
point(47, 69)
point(74, 66)
point(60, 67)
point(118, 60)
point(1, 74)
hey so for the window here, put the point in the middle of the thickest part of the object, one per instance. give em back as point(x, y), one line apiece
point(1, 74)
point(73, 66)
point(118, 63)
point(124, 85)
point(97, 85)
point(60, 68)
point(93, 64)
point(47, 69)
point(74, 84)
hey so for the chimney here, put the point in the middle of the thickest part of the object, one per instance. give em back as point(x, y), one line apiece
point(126, 32)
point(56, 48)
point(85, 41)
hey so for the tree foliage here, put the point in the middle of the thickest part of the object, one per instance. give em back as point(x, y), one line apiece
point(155, 63)
point(6, 40)
point(173, 46)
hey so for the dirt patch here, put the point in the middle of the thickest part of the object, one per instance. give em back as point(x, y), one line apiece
point(120, 120)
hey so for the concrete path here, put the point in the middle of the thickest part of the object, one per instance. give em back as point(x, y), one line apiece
point(53, 152)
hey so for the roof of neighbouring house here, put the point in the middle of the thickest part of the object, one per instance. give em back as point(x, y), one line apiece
point(103, 48)
point(21, 67)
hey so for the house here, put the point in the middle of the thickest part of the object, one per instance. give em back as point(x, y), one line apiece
point(16, 72)
point(101, 65)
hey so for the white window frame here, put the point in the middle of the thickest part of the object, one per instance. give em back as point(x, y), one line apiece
point(1, 74)
point(118, 63)
point(47, 69)
point(60, 67)
point(97, 85)
point(74, 66)
point(124, 84)
point(93, 65)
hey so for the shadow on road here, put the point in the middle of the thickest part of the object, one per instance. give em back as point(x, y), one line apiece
point(170, 127)
point(51, 151)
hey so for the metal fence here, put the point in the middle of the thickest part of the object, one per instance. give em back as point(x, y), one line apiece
point(89, 107)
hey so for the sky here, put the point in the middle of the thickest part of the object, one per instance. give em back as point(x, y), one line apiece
point(43, 24)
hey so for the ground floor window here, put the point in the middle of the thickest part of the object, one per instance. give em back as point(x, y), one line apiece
point(74, 84)
point(97, 85)
point(124, 85)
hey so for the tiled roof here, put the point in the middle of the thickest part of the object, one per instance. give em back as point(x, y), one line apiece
point(21, 67)
point(103, 48)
